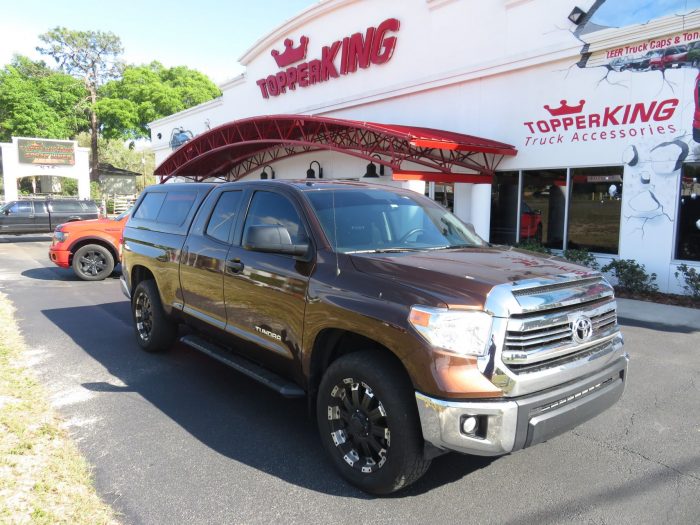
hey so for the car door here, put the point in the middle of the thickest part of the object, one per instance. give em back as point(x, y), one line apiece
point(204, 257)
point(18, 218)
point(265, 293)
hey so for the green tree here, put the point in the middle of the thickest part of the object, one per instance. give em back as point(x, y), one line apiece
point(120, 155)
point(149, 92)
point(36, 101)
point(91, 56)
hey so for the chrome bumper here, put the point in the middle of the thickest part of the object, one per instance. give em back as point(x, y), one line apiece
point(515, 423)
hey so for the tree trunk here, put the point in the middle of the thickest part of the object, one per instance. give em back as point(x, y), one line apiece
point(93, 136)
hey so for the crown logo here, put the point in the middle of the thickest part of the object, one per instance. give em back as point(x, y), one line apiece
point(291, 54)
point(565, 109)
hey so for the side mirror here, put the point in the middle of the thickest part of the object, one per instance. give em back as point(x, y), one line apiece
point(269, 238)
point(7, 212)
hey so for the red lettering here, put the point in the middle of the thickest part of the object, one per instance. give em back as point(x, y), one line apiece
point(580, 122)
point(327, 61)
point(609, 116)
point(272, 87)
point(303, 74)
point(344, 56)
point(660, 130)
point(665, 110)
point(383, 46)
point(638, 111)
point(281, 78)
point(530, 127)
point(556, 123)
point(314, 72)
point(568, 122)
point(594, 120)
point(263, 88)
point(543, 126)
point(359, 50)
point(292, 78)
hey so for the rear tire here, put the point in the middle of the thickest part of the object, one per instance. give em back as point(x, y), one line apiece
point(154, 331)
point(93, 262)
point(368, 421)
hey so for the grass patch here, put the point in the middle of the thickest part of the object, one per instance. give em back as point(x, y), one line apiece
point(43, 477)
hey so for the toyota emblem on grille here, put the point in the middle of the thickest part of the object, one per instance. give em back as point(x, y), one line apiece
point(581, 329)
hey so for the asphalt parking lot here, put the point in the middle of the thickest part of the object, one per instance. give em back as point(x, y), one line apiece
point(179, 438)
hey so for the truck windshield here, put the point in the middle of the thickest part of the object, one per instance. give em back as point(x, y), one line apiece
point(378, 220)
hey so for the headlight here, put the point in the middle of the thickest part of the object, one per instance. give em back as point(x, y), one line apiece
point(463, 332)
point(60, 236)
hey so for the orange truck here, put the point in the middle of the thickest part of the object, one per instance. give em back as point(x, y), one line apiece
point(91, 248)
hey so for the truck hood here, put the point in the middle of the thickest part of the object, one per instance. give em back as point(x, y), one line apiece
point(81, 225)
point(462, 276)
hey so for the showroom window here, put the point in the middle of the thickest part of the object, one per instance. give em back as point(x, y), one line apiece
point(558, 208)
point(688, 222)
point(595, 204)
point(543, 207)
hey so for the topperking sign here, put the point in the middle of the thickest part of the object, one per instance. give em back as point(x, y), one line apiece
point(342, 57)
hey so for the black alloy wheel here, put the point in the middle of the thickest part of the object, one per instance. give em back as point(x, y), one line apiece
point(357, 420)
point(155, 331)
point(93, 262)
point(143, 316)
point(368, 421)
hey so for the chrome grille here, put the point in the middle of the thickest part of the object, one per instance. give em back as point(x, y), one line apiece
point(548, 335)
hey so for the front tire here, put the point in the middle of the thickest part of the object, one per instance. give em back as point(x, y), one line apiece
point(154, 331)
point(93, 262)
point(368, 421)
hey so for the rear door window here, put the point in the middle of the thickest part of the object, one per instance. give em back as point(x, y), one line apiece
point(224, 215)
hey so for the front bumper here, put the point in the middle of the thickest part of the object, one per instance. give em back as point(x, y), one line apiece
point(511, 424)
point(60, 257)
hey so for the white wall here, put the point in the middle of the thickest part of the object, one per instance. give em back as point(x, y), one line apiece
point(488, 69)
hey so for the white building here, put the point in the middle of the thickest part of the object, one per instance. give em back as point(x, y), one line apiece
point(598, 97)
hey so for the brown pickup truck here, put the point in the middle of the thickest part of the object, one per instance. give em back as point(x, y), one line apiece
point(409, 335)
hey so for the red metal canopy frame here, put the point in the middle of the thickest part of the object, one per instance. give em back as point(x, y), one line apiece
point(237, 148)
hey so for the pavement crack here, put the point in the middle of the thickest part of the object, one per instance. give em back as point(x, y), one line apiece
point(612, 447)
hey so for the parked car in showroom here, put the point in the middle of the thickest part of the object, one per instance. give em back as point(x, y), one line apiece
point(92, 248)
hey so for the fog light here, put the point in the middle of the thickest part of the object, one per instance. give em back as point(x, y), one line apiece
point(469, 425)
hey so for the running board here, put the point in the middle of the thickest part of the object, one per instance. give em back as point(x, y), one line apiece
point(261, 375)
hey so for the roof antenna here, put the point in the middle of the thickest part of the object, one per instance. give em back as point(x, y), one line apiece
point(335, 236)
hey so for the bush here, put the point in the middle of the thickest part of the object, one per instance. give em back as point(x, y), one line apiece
point(582, 257)
point(95, 191)
point(533, 246)
point(631, 276)
point(692, 280)
point(69, 186)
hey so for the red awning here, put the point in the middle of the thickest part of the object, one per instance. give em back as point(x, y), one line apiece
point(237, 148)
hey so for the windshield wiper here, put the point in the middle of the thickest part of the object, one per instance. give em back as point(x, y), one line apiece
point(390, 250)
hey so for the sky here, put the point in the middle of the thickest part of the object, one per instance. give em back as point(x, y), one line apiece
point(621, 13)
point(207, 35)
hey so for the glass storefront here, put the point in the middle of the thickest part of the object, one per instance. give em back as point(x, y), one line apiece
point(688, 222)
point(543, 207)
point(595, 204)
point(584, 203)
